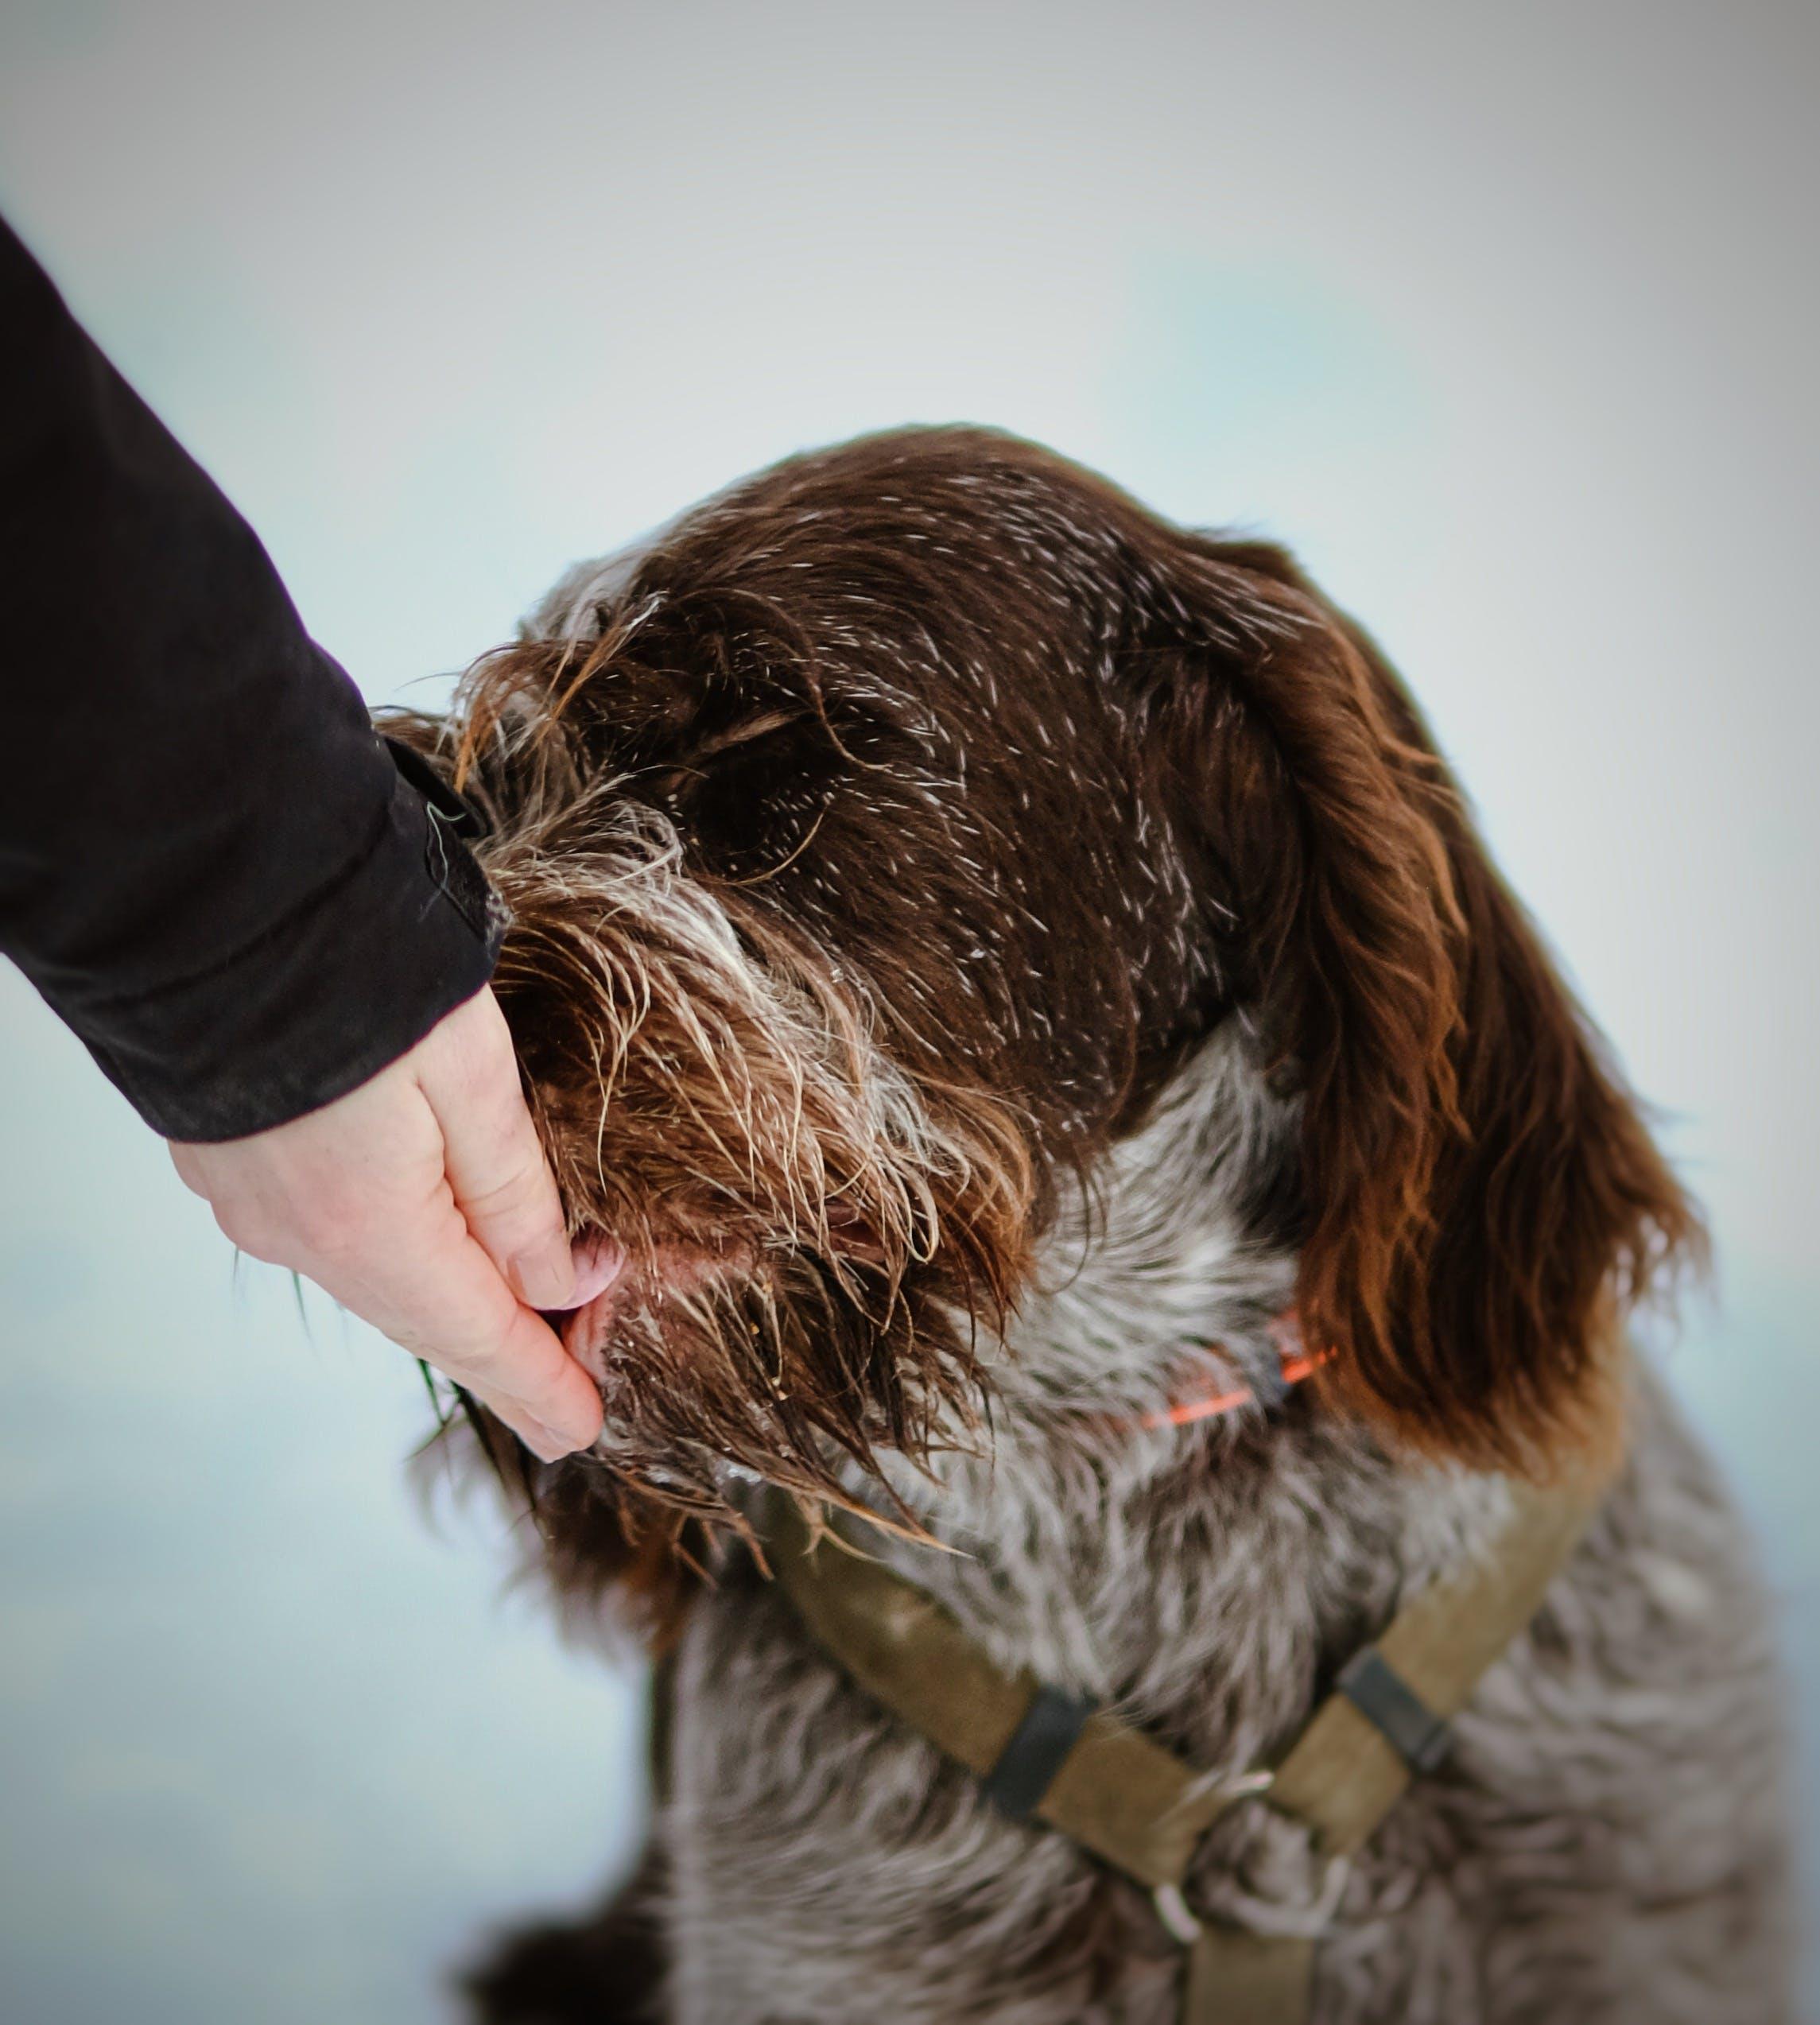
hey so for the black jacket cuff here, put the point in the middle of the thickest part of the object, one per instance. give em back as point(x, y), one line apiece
point(321, 1002)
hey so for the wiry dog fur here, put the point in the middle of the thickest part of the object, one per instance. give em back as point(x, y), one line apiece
point(982, 953)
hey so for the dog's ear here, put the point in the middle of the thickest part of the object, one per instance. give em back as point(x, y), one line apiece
point(1479, 1195)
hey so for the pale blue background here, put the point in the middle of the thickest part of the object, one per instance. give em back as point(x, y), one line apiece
point(1506, 317)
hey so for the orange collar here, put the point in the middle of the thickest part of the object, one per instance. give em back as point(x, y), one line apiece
point(1297, 1364)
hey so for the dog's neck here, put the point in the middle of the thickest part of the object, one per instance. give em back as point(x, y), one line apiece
point(1135, 1562)
point(1158, 1284)
point(1155, 1287)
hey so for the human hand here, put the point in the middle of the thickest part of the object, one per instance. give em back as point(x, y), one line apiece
point(422, 1202)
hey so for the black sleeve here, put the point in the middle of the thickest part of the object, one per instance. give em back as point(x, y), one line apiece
point(209, 865)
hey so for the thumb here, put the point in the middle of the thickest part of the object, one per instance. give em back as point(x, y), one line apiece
point(501, 1180)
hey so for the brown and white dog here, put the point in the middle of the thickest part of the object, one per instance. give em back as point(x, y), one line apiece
point(982, 953)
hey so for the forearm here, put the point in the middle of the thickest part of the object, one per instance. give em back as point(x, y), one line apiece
point(208, 865)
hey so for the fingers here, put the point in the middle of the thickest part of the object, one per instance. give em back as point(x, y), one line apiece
point(438, 1293)
point(495, 1163)
point(405, 1200)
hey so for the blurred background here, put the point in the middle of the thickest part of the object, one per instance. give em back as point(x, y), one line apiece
point(1504, 318)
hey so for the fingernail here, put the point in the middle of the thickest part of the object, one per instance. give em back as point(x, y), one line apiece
point(598, 1262)
point(546, 1278)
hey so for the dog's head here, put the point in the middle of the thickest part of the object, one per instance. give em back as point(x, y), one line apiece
point(881, 839)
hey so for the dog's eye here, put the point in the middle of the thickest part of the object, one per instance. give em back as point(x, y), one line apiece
point(727, 729)
point(746, 798)
point(672, 781)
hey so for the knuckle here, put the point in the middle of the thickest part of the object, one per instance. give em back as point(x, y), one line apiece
point(511, 1199)
point(469, 1361)
point(247, 1231)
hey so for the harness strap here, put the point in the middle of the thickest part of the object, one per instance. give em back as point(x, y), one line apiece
point(1234, 1978)
point(1345, 1773)
point(1117, 1793)
point(1037, 1751)
point(1135, 1805)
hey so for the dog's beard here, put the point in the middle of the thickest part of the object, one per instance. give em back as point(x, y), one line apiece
point(813, 1240)
point(777, 1368)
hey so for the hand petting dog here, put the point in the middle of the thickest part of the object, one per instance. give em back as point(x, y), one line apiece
point(422, 1202)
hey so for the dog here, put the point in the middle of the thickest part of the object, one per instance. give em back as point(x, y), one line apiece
point(988, 962)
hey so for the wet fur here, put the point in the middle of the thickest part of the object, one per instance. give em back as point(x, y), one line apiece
point(976, 947)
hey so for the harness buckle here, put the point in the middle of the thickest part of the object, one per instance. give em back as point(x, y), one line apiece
point(1172, 1910)
point(1171, 1907)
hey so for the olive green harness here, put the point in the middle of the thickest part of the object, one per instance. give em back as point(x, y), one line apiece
point(1134, 1804)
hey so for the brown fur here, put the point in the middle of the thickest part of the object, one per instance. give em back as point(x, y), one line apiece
point(1006, 794)
point(1480, 1192)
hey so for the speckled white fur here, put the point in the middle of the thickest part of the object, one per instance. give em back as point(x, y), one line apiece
point(1607, 1845)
